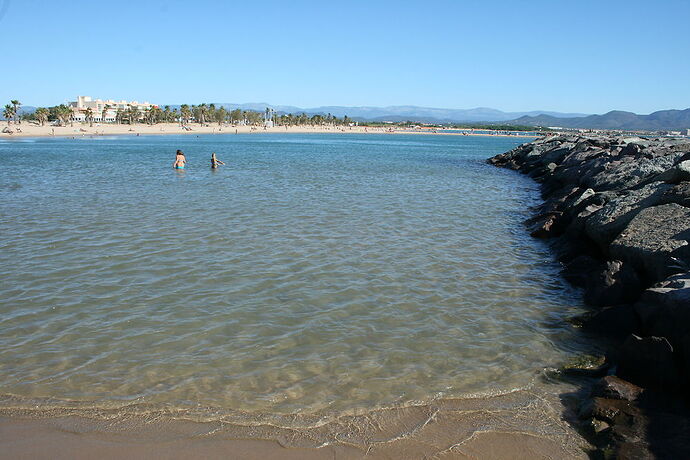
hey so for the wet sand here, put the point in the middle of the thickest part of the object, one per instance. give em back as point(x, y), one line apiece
point(45, 439)
point(521, 425)
point(84, 130)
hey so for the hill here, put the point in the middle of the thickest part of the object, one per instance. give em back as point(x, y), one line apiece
point(616, 119)
point(398, 113)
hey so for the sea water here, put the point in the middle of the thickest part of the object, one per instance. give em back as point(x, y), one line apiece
point(312, 275)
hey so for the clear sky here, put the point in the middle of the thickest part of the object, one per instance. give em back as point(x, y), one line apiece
point(569, 56)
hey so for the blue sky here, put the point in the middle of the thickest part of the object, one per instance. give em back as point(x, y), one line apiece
point(582, 56)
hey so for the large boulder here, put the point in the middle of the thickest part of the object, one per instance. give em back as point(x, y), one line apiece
point(617, 283)
point(627, 172)
point(612, 411)
point(618, 321)
point(655, 242)
point(607, 223)
point(613, 387)
point(578, 271)
point(676, 174)
point(578, 164)
point(664, 309)
point(679, 194)
point(648, 362)
point(544, 225)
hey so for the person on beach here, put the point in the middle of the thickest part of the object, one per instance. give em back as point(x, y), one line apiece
point(180, 160)
point(215, 161)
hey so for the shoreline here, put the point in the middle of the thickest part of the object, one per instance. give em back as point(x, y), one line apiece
point(45, 439)
point(525, 421)
point(82, 130)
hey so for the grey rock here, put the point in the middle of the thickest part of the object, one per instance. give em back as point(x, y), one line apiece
point(622, 174)
point(579, 270)
point(676, 174)
point(544, 225)
point(617, 283)
point(613, 387)
point(588, 193)
point(632, 450)
point(633, 140)
point(605, 225)
point(612, 411)
point(618, 321)
point(599, 426)
point(655, 240)
point(664, 309)
point(648, 362)
point(685, 346)
point(679, 194)
point(578, 164)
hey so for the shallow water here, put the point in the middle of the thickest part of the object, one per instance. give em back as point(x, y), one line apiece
point(312, 275)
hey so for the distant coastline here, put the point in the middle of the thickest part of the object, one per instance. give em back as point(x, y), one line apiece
point(83, 130)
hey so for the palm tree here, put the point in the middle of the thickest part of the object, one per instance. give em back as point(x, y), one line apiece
point(185, 114)
point(220, 115)
point(132, 114)
point(42, 115)
point(67, 114)
point(63, 113)
point(8, 113)
point(153, 114)
point(15, 103)
point(148, 115)
point(211, 113)
point(202, 111)
point(88, 116)
point(104, 112)
point(235, 115)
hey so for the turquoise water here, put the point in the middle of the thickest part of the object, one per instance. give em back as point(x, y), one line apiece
point(312, 274)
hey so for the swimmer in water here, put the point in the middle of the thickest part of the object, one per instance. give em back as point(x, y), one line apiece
point(215, 161)
point(180, 160)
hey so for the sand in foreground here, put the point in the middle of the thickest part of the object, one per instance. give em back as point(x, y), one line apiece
point(50, 439)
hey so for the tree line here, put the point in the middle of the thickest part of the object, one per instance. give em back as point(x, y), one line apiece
point(11, 112)
point(209, 113)
point(202, 114)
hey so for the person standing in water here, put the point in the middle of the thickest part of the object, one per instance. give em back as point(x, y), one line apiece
point(180, 160)
point(215, 161)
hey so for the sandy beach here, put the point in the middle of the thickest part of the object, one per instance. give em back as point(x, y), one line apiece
point(107, 129)
point(520, 425)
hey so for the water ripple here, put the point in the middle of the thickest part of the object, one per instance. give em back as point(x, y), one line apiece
point(312, 274)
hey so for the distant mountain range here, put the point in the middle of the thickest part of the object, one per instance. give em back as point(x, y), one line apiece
point(661, 120)
point(616, 119)
point(399, 113)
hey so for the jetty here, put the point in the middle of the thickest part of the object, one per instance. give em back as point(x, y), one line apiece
point(616, 211)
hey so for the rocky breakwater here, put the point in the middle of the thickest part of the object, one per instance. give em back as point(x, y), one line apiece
point(617, 210)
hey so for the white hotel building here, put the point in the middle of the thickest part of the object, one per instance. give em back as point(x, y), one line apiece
point(84, 102)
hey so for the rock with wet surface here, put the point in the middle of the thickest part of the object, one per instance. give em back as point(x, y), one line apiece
point(613, 387)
